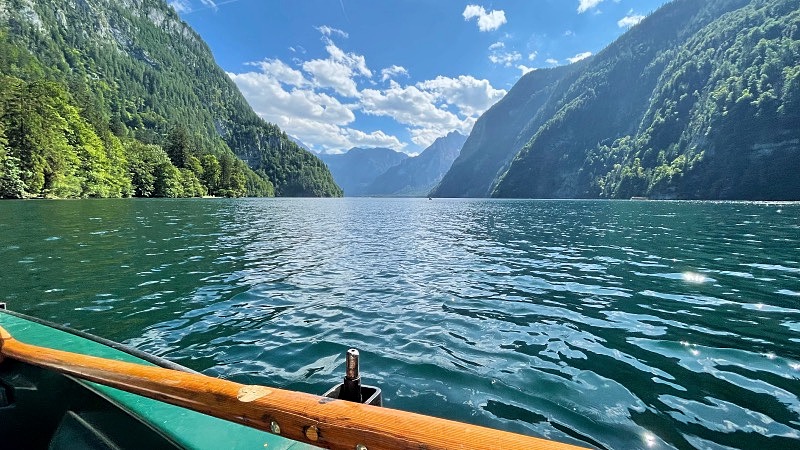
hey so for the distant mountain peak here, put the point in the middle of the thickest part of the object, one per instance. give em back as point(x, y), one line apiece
point(415, 177)
point(355, 169)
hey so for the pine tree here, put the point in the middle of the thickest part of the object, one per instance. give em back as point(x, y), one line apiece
point(11, 185)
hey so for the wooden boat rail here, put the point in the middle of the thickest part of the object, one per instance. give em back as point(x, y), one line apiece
point(320, 421)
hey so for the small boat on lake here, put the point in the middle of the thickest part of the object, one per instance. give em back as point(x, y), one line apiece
point(61, 388)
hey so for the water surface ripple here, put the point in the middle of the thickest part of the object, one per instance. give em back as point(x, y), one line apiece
point(613, 325)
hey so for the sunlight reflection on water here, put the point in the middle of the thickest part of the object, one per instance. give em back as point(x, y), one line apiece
point(692, 277)
point(586, 322)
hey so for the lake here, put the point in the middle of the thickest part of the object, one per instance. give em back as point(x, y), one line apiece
point(607, 324)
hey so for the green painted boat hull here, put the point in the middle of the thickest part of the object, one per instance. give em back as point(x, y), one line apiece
point(43, 409)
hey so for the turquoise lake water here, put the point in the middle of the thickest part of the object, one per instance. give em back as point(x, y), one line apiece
point(616, 325)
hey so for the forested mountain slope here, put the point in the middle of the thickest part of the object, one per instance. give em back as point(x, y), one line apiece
point(138, 74)
point(701, 100)
point(415, 177)
point(502, 131)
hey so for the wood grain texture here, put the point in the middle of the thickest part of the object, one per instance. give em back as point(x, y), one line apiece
point(316, 420)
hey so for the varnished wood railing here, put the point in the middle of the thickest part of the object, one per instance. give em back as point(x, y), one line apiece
point(316, 420)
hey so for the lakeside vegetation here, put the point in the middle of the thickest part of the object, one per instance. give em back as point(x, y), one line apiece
point(53, 145)
point(114, 100)
point(58, 141)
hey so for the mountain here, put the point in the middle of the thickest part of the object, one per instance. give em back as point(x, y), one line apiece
point(135, 69)
point(415, 177)
point(501, 132)
point(701, 100)
point(301, 144)
point(356, 169)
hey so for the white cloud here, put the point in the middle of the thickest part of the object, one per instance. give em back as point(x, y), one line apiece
point(318, 119)
point(505, 58)
point(181, 6)
point(316, 100)
point(375, 139)
point(356, 62)
point(424, 107)
point(498, 55)
point(629, 20)
point(317, 135)
point(551, 61)
point(471, 96)
point(274, 103)
point(281, 72)
point(408, 105)
point(532, 56)
point(284, 96)
point(585, 5)
point(338, 70)
point(330, 74)
point(424, 137)
point(393, 71)
point(329, 31)
point(487, 21)
point(524, 69)
point(579, 57)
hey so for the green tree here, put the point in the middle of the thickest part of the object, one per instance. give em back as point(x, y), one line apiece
point(37, 129)
point(178, 146)
point(258, 185)
point(136, 92)
point(194, 164)
point(143, 160)
point(11, 185)
point(212, 174)
point(191, 185)
point(168, 181)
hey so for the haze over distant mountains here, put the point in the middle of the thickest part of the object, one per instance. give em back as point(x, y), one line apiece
point(385, 172)
point(701, 100)
point(354, 170)
point(415, 177)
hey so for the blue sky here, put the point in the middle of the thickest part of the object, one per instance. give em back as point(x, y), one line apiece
point(338, 74)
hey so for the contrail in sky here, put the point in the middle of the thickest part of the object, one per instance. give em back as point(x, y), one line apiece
point(211, 5)
point(341, 2)
point(226, 2)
